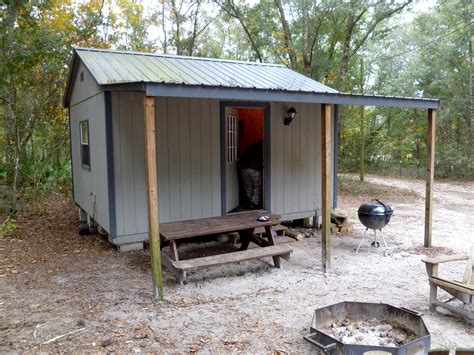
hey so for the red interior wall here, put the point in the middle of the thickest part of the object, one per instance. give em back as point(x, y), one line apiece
point(250, 128)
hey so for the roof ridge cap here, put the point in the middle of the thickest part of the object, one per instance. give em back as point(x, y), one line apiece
point(184, 57)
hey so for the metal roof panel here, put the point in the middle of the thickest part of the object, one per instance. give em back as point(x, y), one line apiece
point(112, 67)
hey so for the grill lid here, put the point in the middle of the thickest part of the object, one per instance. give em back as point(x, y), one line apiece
point(375, 208)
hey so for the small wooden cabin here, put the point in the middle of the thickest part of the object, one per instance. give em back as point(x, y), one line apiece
point(207, 111)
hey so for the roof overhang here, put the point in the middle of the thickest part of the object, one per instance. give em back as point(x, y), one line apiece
point(227, 93)
point(222, 93)
point(70, 78)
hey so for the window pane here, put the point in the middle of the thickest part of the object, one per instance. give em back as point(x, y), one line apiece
point(85, 132)
point(84, 142)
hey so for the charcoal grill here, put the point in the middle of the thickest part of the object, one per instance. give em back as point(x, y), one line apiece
point(326, 316)
point(375, 215)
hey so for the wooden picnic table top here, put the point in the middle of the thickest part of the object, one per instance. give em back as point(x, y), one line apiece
point(232, 222)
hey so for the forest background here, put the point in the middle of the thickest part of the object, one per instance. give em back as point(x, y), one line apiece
point(371, 46)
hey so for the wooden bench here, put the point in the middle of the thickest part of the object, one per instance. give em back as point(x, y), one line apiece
point(245, 223)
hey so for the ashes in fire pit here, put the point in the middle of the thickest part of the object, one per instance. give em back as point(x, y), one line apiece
point(370, 332)
point(356, 328)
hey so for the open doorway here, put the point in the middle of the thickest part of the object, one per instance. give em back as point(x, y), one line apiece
point(244, 158)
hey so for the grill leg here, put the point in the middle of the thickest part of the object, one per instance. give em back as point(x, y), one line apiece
point(362, 240)
point(384, 241)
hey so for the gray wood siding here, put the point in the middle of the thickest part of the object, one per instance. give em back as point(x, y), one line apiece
point(295, 159)
point(83, 90)
point(188, 159)
point(93, 182)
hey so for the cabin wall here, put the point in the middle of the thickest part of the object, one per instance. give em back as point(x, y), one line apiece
point(296, 161)
point(85, 88)
point(188, 160)
point(91, 184)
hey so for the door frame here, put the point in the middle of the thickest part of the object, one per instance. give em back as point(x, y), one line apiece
point(266, 150)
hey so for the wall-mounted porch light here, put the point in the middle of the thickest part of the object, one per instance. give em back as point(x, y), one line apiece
point(290, 115)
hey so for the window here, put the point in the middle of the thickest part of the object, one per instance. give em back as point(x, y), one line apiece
point(85, 148)
point(231, 139)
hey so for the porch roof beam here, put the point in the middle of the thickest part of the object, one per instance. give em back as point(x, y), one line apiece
point(225, 93)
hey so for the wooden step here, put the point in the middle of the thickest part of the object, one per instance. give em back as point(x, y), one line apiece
point(281, 250)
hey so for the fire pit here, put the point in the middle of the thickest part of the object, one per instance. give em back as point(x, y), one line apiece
point(353, 328)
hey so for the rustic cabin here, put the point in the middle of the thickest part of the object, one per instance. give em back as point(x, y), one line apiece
point(223, 137)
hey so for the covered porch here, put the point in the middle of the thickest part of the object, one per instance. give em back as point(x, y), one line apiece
point(329, 102)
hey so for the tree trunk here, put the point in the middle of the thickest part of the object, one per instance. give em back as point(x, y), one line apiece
point(232, 10)
point(288, 43)
point(195, 28)
point(346, 47)
point(362, 126)
point(177, 33)
point(165, 40)
point(471, 88)
point(306, 55)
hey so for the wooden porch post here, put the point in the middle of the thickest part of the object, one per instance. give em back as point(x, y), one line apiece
point(430, 162)
point(325, 183)
point(152, 197)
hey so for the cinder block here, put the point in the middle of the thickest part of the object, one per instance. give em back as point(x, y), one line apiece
point(130, 247)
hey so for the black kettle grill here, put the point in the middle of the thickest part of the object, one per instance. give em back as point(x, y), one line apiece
point(375, 215)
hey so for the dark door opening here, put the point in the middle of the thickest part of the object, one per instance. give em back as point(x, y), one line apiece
point(244, 158)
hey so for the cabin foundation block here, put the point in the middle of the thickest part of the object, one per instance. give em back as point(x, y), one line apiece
point(308, 222)
point(130, 247)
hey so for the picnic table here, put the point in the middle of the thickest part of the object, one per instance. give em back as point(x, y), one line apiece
point(244, 223)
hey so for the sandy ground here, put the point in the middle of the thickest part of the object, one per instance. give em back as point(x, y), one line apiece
point(53, 282)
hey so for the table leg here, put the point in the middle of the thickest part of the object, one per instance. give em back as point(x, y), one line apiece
point(244, 239)
point(256, 239)
point(269, 233)
point(174, 254)
point(271, 241)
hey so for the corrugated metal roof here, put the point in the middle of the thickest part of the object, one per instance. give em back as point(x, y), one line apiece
point(117, 67)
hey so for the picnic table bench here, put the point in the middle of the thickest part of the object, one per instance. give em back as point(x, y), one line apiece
point(245, 223)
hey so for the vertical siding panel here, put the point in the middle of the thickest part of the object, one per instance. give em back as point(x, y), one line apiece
point(295, 162)
point(161, 118)
point(273, 145)
point(195, 141)
point(303, 152)
point(185, 158)
point(215, 158)
point(317, 156)
point(311, 142)
point(173, 148)
point(130, 222)
point(100, 181)
point(331, 189)
point(116, 122)
point(280, 166)
point(139, 163)
point(287, 166)
point(205, 153)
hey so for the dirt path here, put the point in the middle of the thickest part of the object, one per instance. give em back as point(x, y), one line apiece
point(53, 282)
point(453, 207)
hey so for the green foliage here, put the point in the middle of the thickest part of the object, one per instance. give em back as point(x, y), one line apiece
point(426, 56)
point(7, 226)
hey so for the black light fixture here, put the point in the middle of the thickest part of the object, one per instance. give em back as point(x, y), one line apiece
point(290, 115)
